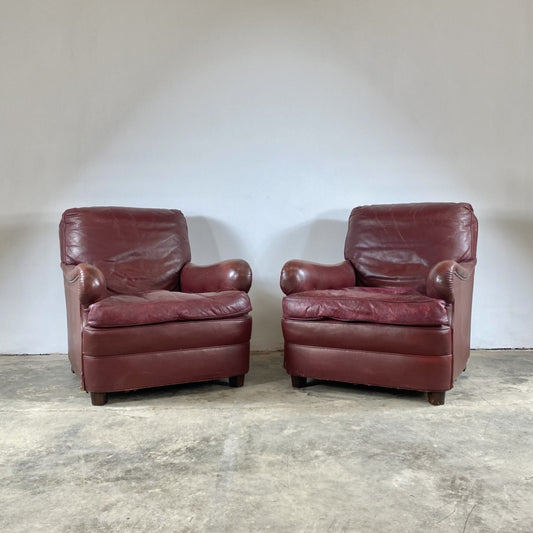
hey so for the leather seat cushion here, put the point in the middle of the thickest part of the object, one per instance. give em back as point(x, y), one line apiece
point(381, 305)
point(155, 307)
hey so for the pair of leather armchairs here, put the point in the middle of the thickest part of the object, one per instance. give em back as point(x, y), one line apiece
point(395, 313)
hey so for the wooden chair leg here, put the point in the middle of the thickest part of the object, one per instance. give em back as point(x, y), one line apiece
point(436, 398)
point(298, 381)
point(98, 398)
point(236, 381)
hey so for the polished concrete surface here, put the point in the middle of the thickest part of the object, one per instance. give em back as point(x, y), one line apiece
point(266, 457)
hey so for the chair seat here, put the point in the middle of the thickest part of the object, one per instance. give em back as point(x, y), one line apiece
point(155, 307)
point(381, 305)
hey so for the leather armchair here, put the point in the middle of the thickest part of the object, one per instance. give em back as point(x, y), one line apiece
point(397, 312)
point(139, 313)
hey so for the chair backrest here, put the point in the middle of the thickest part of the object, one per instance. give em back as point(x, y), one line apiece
point(396, 245)
point(137, 249)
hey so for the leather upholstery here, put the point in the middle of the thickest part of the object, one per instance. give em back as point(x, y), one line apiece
point(129, 324)
point(136, 250)
point(300, 276)
point(397, 245)
point(166, 306)
point(404, 320)
point(229, 275)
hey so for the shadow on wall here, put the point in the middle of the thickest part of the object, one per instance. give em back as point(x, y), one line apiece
point(517, 233)
point(212, 241)
point(29, 244)
point(266, 313)
point(31, 285)
point(509, 241)
point(505, 256)
point(320, 240)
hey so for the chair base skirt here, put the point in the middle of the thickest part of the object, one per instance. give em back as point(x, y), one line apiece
point(113, 373)
point(400, 371)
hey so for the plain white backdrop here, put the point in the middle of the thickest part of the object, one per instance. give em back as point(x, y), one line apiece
point(265, 122)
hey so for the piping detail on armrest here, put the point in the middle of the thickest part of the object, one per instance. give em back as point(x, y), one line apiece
point(298, 276)
point(443, 276)
point(232, 274)
point(88, 279)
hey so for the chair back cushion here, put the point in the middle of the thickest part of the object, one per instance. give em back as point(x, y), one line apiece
point(136, 249)
point(397, 245)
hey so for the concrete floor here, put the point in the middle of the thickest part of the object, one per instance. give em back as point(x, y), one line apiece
point(327, 458)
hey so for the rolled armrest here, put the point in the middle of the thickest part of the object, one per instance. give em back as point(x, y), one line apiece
point(232, 274)
point(87, 281)
point(298, 276)
point(443, 278)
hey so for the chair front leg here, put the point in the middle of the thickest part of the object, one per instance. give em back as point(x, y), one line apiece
point(436, 398)
point(98, 398)
point(298, 381)
point(236, 381)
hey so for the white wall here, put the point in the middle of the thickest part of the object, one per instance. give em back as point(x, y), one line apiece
point(265, 122)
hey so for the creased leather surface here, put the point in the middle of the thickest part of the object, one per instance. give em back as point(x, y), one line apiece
point(136, 249)
point(166, 306)
point(367, 304)
point(397, 245)
point(128, 327)
point(392, 246)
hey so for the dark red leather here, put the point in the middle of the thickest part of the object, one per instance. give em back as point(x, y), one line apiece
point(166, 337)
point(232, 274)
point(427, 249)
point(383, 338)
point(128, 326)
point(397, 245)
point(398, 371)
point(137, 250)
point(300, 276)
point(121, 372)
point(166, 306)
point(89, 281)
point(441, 278)
point(381, 305)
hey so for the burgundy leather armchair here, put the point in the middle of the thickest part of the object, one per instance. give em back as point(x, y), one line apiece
point(139, 313)
point(396, 313)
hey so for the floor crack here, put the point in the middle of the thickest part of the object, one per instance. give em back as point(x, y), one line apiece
point(468, 516)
